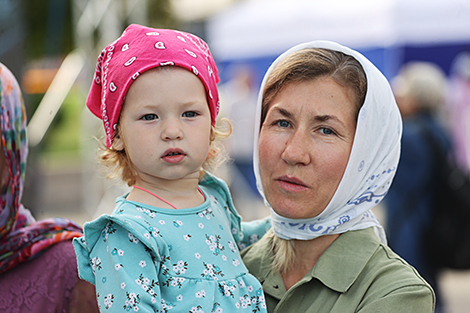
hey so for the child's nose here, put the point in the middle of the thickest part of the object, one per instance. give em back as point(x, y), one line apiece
point(172, 130)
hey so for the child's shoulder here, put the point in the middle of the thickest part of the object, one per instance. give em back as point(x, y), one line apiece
point(132, 213)
point(218, 191)
point(212, 184)
point(125, 222)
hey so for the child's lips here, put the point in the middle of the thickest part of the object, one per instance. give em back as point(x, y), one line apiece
point(173, 155)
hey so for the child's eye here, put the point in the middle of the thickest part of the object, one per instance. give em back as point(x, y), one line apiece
point(190, 114)
point(149, 117)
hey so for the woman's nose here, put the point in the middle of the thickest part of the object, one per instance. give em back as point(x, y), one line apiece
point(172, 130)
point(296, 150)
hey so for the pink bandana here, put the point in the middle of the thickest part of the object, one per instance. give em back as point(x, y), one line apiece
point(139, 49)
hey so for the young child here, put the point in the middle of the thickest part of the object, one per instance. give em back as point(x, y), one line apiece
point(170, 244)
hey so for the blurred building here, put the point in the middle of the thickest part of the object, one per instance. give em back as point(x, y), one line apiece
point(12, 36)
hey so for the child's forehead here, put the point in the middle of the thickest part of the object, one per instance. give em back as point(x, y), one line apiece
point(167, 86)
point(163, 70)
point(165, 75)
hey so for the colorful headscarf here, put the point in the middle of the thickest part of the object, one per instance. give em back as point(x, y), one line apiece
point(371, 166)
point(21, 237)
point(139, 49)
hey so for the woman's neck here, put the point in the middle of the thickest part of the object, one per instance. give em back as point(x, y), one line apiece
point(307, 254)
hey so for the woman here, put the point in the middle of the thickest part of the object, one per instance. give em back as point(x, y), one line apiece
point(328, 147)
point(38, 268)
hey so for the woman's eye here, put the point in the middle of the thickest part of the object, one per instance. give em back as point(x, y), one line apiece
point(149, 117)
point(282, 123)
point(190, 114)
point(327, 131)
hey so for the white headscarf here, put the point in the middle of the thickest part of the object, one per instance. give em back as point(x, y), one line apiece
point(371, 166)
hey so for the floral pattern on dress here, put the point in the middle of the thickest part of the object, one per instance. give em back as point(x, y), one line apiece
point(213, 241)
point(141, 262)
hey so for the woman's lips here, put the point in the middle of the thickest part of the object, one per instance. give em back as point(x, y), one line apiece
point(292, 184)
point(173, 155)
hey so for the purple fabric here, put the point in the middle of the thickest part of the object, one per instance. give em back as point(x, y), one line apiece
point(21, 237)
point(46, 284)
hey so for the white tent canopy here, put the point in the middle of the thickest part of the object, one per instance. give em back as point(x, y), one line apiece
point(267, 27)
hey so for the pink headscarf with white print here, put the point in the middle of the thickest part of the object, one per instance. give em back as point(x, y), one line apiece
point(139, 49)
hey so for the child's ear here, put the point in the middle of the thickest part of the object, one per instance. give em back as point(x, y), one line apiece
point(212, 138)
point(118, 143)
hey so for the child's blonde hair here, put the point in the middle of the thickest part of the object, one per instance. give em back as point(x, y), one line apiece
point(119, 165)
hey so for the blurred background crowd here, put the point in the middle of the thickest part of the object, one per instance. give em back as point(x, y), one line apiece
point(422, 47)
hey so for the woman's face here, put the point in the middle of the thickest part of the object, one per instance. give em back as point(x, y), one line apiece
point(304, 146)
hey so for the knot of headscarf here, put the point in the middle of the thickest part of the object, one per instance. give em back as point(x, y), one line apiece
point(372, 163)
point(139, 49)
point(21, 237)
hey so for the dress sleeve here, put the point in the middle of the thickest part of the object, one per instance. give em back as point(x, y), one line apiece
point(244, 233)
point(125, 271)
point(253, 231)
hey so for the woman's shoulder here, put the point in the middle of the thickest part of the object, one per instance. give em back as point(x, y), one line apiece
point(374, 258)
point(394, 271)
point(43, 284)
point(368, 275)
point(384, 277)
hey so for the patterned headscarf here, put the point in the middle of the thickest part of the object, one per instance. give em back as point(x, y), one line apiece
point(372, 163)
point(139, 49)
point(21, 237)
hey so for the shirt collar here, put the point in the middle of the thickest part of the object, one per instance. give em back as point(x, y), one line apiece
point(338, 267)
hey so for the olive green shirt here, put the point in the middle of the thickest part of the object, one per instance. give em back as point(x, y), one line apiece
point(355, 274)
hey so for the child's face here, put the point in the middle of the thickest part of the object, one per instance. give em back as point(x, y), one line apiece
point(165, 125)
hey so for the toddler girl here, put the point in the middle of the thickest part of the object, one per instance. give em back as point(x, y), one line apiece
point(170, 244)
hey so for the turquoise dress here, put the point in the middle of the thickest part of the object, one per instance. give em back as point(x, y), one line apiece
point(148, 259)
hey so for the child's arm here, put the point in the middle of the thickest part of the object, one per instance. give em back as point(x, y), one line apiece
point(252, 232)
point(126, 278)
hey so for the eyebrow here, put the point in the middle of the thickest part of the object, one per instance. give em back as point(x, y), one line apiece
point(285, 113)
point(318, 118)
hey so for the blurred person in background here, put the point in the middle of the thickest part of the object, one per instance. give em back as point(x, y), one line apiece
point(239, 95)
point(242, 93)
point(459, 109)
point(38, 268)
point(420, 90)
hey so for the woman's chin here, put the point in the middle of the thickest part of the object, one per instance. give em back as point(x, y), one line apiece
point(289, 208)
point(294, 214)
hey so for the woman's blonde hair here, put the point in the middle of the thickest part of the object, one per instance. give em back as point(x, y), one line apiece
point(306, 65)
point(309, 64)
point(119, 165)
point(283, 251)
